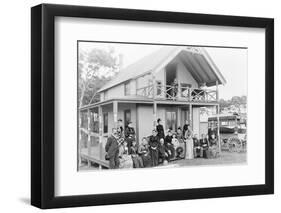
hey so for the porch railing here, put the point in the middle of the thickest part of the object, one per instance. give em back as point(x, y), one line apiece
point(146, 91)
point(169, 92)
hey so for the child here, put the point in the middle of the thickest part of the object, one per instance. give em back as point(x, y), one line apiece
point(163, 152)
point(144, 153)
point(133, 151)
point(175, 141)
point(177, 146)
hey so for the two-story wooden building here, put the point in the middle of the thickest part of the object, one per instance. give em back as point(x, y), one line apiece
point(144, 91)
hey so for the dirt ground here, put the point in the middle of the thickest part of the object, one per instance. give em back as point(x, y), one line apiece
point(224, 158)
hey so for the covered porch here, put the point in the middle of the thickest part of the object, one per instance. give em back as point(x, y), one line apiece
point(97, 120)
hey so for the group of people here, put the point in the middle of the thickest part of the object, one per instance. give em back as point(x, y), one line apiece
point(123, 150)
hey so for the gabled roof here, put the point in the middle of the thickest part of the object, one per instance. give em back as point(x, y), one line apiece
point(196, 60)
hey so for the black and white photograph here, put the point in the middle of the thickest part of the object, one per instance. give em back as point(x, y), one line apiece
point(145, 105)
point(132, 106)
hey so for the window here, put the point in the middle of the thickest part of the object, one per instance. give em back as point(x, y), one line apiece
point(95, 123)
point(127, 88)
point(171, 120)
point(232, 123)
point(105, 122)
point(106, 95)
point(127, 117)
point(224, 123)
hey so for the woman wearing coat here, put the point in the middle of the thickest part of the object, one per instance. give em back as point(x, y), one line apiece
point(160, 129)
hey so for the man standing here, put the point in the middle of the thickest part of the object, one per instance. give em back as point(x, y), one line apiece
point(130, 135)
point(160, 129)
point(154, 145)
point(112, 149)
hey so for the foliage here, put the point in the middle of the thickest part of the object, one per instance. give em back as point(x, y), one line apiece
point(95, 68)
point(235, 101)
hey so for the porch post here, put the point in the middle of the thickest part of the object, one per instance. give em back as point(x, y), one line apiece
point(179, 89)
point(115, 113)
point(80, 138)
point(190, 116)
point(88, 134)
point(178, 117)
point(218, 119)
point(100, 131)
point(218, 127)
point(154, 114)
point(217, 88)
point(154, 102)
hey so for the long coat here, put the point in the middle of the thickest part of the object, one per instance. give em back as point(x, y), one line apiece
point(154, 141)
point(111, 146)
point(160, 130)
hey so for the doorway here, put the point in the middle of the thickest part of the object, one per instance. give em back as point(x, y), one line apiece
point(171, 119)
point(127, 117)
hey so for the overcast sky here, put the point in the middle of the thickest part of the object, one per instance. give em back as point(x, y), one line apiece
point(232, 62)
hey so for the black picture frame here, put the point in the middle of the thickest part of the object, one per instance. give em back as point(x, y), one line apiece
point(43, 102)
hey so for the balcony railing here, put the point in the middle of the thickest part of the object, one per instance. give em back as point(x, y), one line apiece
point(178, 93)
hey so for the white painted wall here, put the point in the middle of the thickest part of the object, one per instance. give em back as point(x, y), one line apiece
point(102, 97)
point(203, 128)
point(143, 81)
point(116, 92)
point(184, 75)
point(133, 86)
point(145, 121)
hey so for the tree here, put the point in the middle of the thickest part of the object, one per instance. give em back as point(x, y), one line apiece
point(236, 101)
point(95, 68)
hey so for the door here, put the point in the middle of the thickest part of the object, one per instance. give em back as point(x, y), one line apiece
point(127, 117)
point(171, 119)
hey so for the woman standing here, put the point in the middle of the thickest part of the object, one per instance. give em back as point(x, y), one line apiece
point(160, 129)
point(189, 143)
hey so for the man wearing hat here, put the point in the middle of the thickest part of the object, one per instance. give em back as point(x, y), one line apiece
point(112, 150)
point(130, 135)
